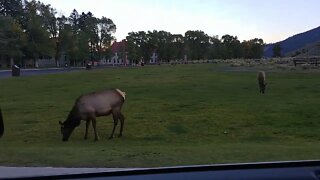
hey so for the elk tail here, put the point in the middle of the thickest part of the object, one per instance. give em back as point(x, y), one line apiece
point(123, 94)
point(1, 124)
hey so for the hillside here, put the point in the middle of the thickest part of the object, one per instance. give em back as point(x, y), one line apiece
point(306, 51)
point(306, 40)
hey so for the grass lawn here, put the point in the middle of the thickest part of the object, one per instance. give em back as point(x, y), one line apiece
point(175, 115)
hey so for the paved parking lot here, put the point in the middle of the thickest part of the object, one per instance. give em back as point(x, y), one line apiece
point(30, 72)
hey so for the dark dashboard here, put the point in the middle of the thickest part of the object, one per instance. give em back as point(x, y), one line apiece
point(299, 170)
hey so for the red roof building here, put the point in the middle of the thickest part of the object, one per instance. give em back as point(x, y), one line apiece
point(119, 47)
point(118, 50)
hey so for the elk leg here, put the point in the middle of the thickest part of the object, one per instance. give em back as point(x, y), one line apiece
point(121, 117)
point(87, 127)
point(115, 122)
point(96, 137)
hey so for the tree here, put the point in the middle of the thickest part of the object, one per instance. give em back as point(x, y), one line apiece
point(253, 49)
point(48, 19)
point(11, 8)
point(76, 37)
point(12, 38)
point(74, 21)
point(106, 28)
point(197, 44)
point(90, 37)
point(88, 27)
point(138, 47)
point(167, 46)
point(73, 47)
point(216, 50)
point(134, 51)
point(177, 46)
point(82, 49)
point(159, 42)
point(233, 46)
point(277, 50)
point(39, 44)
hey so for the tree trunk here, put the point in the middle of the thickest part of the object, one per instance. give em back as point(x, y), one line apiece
point(11, 61)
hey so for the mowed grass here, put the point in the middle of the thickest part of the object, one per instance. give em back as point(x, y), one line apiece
point(175, 115)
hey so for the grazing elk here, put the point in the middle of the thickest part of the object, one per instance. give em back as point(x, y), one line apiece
point(89, 106)
point(262, 81)
point(1, 124)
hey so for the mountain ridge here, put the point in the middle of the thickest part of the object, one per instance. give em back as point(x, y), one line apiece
point(296, 43)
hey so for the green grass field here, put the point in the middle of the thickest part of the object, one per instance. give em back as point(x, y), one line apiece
point(175, 115)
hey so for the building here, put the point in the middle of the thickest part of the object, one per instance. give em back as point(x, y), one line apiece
point(119, 54)
point(154, 58)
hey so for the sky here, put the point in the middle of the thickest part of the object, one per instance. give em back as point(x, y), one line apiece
point(271, 20)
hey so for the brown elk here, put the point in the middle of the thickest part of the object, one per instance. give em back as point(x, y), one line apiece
point(262, 81)
point(89, 106)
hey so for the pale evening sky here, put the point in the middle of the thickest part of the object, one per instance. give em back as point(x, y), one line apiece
point(271, 20)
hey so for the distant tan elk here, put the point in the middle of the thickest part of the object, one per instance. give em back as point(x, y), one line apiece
point(89, 106)
point(262, 81)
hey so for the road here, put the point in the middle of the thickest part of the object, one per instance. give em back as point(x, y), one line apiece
point(30, 72)
point(16, 172)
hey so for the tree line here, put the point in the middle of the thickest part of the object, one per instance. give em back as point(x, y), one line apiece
point(31, 30)
point(194, 45)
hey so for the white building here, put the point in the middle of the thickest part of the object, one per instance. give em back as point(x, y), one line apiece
point(154, 58)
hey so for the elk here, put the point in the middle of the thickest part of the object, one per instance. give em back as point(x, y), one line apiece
point(262, 81)
point(89, 106)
